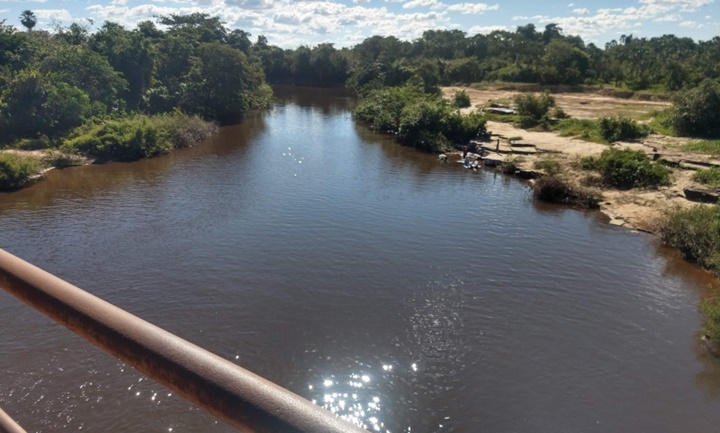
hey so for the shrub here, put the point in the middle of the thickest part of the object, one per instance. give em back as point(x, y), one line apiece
point(559, 113)
point(38, 143)
point(549, 166)
point(533, 110)
point(553, 189)
point(711, 309)
point(695, 233)
point(426, 122)
point(625, 168)
point(621, 128)
point(709, 176)
point(697, 111)
point(17, 171)
point(461, 99)
point(137, 137)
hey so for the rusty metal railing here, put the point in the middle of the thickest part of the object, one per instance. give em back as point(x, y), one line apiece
point(8, 425)
point(233, 394)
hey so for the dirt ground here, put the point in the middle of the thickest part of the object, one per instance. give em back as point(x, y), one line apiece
point(637, 208)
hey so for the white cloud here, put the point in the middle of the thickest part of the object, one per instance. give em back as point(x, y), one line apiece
point(683, 5)
point(361, 1)
point(668, 18)
point(473, 8)
point(571, 5)
point(485, 29)
point(689, 24)
point(581, 11)
point(53, 14)
point(432, 4)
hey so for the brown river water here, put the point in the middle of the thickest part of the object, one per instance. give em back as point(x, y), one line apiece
point(406, 294)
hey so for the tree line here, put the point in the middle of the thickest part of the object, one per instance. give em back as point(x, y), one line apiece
point(54, 82)
point(527, 55)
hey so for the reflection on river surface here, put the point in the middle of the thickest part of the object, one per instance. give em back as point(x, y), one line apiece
point(405, 294)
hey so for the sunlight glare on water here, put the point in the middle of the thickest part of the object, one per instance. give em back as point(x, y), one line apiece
point(403, 294)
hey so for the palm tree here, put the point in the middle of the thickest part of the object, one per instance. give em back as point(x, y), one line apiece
point(28, 19)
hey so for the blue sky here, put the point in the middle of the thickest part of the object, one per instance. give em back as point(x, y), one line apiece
point(289, 23)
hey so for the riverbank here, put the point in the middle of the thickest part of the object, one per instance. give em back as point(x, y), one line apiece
point(124, 139)
point(637, 208)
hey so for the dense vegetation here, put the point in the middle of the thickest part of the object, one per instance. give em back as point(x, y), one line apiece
point(17, 171)
point(426, 122)
point(54, 82)
point(695, 232)
point(527, 55)
point(626, 168)
point(136, 137)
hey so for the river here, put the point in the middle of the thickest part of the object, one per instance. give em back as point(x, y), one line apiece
point(406, 294)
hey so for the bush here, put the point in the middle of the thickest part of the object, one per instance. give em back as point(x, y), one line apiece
point(137, 137)
point(533, 110)
point(621, 128)
point(709, 176)
point(697, 112)
point(425, 122)
point(17, 171)
point(461, 99)
point(695, 233)
point(711, 309)
point(553, 189)
point(549, 166)
point(625, 168)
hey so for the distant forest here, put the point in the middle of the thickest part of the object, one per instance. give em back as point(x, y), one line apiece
point(54, 81)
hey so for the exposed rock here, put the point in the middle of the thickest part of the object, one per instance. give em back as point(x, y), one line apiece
point(702, 195)
point(527, 174)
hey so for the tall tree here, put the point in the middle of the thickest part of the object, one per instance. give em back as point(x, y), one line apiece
point(28, 19)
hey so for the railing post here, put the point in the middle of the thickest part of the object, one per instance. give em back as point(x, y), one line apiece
point(238, 396)
point(8, 425)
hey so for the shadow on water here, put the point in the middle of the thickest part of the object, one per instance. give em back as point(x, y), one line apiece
point(332, 102)
point(79, 184)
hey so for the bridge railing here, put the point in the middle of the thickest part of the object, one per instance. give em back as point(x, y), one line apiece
point(228, 391)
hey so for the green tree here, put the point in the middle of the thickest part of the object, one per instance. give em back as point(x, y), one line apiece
point(697, 111)
point(28, 19)
point(223, 84)
point(36, 104)
point(133, 55)
point(563, 63)
point(88, 71)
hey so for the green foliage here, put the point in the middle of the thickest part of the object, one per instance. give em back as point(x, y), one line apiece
point(420, 120)
point(708, 176)
point(711, 147)
point(461, 99)
point(17, 171)
point(585, 129)
point(563, 63)
point(136, 137)
point(223, 84)
point(28, 19)
point(711, 310)
point(695, 233)
point(549, 166)
point(35, 104)
point(625, 168)
point(697, 112)
point(36, 143)
point(87, 70)
point(621, 128)
point(533, 110)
